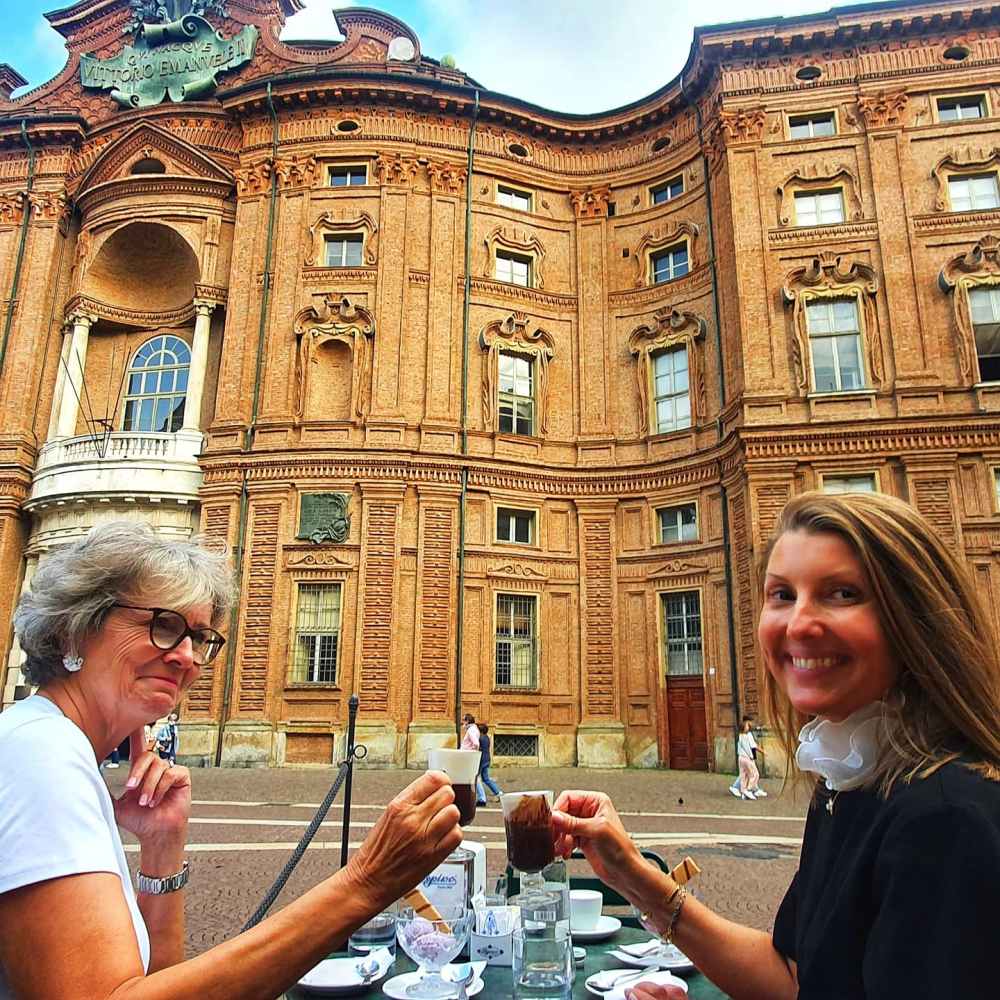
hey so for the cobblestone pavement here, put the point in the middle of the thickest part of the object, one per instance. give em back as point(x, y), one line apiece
point(245, 824)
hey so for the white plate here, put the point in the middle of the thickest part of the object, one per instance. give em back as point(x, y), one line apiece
point(658, 976)
point(396, 987)
point(669, 957)
point(339, 977)
point(603, 929)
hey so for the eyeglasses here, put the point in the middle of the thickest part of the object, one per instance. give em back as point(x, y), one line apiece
point(168, 629)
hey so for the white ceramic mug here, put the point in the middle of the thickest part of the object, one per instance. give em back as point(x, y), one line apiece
point(584, 909)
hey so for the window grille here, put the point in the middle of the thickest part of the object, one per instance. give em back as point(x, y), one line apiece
point(516, 644)
point(516, 405)
point(672, 401)
point(679, 524)
point(515, 745)
point(835, 343)
point(344, 251)
point(157, 386)
point(317, 634)
point(682, 633)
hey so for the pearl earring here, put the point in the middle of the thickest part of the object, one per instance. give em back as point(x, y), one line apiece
point(72, 662)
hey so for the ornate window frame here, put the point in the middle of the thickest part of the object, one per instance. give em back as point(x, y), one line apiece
point(524, 244)
point(960, 161)
point(334, 319)
point(651, 243)
point(331, 224)
point(671, 328)
point(828, 277)
point(978, 267)
point(512, 335)
point(819, 177)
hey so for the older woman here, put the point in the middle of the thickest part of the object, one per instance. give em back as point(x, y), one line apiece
point(873, 632)
point(116, 628)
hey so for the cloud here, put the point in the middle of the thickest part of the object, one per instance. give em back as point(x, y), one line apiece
point(315, 22)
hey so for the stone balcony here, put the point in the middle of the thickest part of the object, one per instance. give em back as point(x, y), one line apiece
point(125, 465)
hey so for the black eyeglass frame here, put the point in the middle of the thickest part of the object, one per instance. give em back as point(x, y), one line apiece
point(215, 640)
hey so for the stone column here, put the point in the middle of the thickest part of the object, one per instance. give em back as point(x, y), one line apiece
point(199, 362)
point(76, 362)
point(60, 382)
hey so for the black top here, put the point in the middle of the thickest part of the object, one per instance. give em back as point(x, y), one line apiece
point(484, 749)
point(898, 897)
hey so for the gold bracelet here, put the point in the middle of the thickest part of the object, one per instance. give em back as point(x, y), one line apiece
point(668, 934)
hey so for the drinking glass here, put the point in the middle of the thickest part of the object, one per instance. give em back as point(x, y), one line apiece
point(432, 944)
point(376, 934)
point(527, 817)
point(542, 963)
point(462, 766)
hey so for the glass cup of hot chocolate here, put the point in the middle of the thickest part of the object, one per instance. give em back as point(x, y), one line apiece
point(462, 766)
point(527, 817)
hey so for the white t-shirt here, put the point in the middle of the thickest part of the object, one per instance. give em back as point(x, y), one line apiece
point(56, 814)
point(746, 745)
point(470, 741)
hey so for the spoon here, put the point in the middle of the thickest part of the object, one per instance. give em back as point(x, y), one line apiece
point(367, 970)
point(461, 975)
point(606, 982)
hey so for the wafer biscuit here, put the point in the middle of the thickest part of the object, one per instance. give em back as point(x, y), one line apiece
point(685, 871)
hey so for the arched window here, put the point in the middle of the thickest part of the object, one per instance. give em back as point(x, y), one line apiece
point(157, 386)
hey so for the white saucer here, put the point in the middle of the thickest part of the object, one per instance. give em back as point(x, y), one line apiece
point(601, 931)
point(669, 957)
point(339, 977)
point(658, 976)
point(396, 987)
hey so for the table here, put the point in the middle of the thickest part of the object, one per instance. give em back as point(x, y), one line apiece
point(498, 977)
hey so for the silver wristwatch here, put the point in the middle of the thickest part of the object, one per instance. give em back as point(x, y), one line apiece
point(161, 886)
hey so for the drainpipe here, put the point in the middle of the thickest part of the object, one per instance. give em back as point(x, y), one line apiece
point(726, 538)
point(248, 438)
point(460, 631)
point(15, 284)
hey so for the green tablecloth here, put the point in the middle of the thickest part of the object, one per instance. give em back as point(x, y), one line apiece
point(498, 977)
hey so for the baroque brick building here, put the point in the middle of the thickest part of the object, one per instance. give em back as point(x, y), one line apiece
point(486, 398)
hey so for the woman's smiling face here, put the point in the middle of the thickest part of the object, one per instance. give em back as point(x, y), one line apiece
point(819, 627)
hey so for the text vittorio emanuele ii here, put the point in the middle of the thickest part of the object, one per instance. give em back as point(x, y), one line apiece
point(165, 61)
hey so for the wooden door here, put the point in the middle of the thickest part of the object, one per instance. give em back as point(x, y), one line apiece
point(688, 743)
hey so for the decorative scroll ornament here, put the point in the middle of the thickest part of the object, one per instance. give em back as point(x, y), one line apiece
point(296, 171)
point(167, 11)
point(960, 160)
point(814, 176)
point(324, 517)
point(179, 58)
point(520, 242)
point(829, 277)
point(884, 109)
point(513, 336)
point(670, 328)
point(446, 178)
point(395, 169)
point(651, 242)
point(330, 224)
point(591, 203)
point(335, 320)
point(979, 267)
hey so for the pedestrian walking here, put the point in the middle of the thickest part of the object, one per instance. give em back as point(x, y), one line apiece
point(484, 768)
point(755, 750)
point(166, 739)
point(749, 775)
point(470, 733)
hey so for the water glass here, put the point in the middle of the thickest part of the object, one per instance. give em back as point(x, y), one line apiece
point(542, 963)
point(376, 934)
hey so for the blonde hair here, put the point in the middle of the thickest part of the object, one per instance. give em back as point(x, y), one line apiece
point(946, 700)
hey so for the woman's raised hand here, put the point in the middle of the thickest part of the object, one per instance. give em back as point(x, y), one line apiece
point(157, 797)
point(589, 821)
point(417, 831)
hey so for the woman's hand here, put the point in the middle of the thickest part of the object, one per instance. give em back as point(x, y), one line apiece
point(156, 802)
point(417, 831)
point(655, 991)
point(589, 821)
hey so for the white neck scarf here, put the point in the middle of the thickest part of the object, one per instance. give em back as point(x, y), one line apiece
point(844, 753)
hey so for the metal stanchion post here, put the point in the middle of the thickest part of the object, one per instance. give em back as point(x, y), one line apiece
point(352, 718)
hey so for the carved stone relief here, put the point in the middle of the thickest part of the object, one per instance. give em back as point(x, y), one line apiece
point(253, 179)
point(591, 203)
point(516, 241)
point(884, 109)
point(651, 242)
point(335, 320)
point(670, 328)
point(324, 517)
point(512, 334)
point(395, 169)
point(829, 276)
point(962, 159)
point(815, 176)
point(977, 267)
point(331, 224)
point(446, 178)
point(296, 171)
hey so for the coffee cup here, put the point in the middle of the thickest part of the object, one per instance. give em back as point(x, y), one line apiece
point(527, 817)
point(462, 766)
point(584, 909)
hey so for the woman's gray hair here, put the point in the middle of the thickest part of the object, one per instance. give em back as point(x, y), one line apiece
point(126, 561)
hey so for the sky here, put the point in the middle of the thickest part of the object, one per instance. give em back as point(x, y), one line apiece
point(581, 56)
